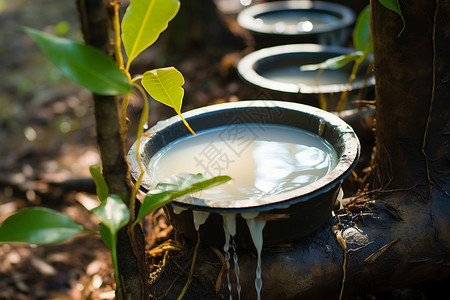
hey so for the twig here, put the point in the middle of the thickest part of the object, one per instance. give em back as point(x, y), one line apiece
point(380, 191)
point(372, 257)
point(222, 270)
point(191, 271)
point(337, 231)
point(170, 287)
point(359, 248)
point(430, 110)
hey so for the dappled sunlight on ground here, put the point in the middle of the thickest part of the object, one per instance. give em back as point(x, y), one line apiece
point(48, 142)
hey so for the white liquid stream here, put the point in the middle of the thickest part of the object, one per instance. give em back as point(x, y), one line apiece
point(229, 228)
point(255, 227)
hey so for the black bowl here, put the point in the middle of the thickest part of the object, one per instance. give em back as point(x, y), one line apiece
point(290, 215)
point(276, 71)
point(287, 22)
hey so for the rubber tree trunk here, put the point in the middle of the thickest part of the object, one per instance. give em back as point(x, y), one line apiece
point(402, 236)
point(412, 73)
point(96, 22)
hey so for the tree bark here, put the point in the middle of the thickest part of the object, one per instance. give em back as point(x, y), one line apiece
point(313, 267)
point(96, 21)
point(409, 204)
point(411, 106)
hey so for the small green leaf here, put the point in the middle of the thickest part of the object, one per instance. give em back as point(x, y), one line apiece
point(106, 236)
point(394, 6)
point(334, 62)
point(164, 85)
point(362, 37)
point(181, 185)
point(85, 65)
point(113, 213)
point(100, 183)
point(143, 22)
point(62, 28)
point(40, 226)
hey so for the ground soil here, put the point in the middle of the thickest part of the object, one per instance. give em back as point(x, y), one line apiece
point(47, 139)
point(47, 143)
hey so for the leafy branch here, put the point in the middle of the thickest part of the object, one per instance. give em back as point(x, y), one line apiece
point(143, 22)
point(363, 44)
point(43, 226)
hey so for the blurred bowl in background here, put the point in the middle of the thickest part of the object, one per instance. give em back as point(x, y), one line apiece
point(288, 22)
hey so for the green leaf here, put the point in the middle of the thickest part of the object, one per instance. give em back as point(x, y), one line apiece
point(164, 85)
point(143, 22)
point(113, 213)
point(394, 6)
point(106, 236)
point(62, 28)
point(181, 185)
point(100, 183)
point(85, 65)
point(334, 62)
point(40, 226)
point(362, 37)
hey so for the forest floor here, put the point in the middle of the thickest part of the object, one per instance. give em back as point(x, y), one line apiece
point(47, 139)
point(48, 142)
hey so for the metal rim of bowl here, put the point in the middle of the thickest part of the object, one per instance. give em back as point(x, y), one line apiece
point(345, 164)
point(246, 18)
point(246, 69)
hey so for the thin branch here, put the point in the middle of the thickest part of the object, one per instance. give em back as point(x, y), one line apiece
point(191, 271)
point(433, 88)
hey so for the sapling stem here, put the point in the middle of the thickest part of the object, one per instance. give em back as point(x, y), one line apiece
point(116, 266)
point(367, 49)
point(191, 270)
point(119, 62)
point(322, 100)
point(140, 131)
point(117, 40)
point(187, 125)
point(343, 99)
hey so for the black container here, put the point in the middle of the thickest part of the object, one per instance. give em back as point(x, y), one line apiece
point(256, 67)
point(287, 22)
point(290, 215)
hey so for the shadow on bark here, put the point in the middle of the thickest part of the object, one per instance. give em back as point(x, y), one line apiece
point(400, 235)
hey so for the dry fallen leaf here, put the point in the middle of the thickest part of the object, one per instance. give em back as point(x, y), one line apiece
point(371, 258)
